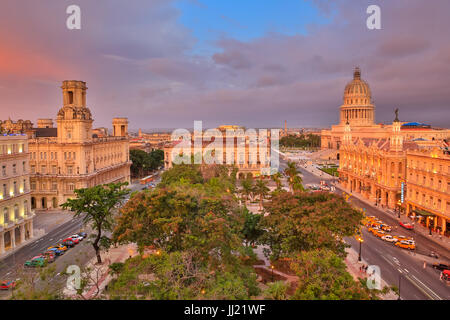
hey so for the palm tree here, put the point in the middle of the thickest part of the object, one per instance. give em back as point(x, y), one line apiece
point(261, 190)
point(292, 172)
point(247, 188)
point(277, 179)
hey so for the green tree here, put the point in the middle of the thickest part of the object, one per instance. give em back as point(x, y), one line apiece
point(247, 188)
point(294, 180)
point(187, 172)
point(307, 221)
point(323, 276)
point(277, 179)
point(143, 163)
point(96, 205)
point(262, 191)
point(251, 231)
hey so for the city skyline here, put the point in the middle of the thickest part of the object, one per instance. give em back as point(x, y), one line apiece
point(168, 63)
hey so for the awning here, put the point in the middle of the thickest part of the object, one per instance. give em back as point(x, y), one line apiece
point(423, 213)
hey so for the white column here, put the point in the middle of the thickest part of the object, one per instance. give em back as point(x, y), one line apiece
point(2, 242)
point(22, 233)
point(31, 229)
point(13, 238)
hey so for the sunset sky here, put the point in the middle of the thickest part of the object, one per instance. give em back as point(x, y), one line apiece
point(164, 64)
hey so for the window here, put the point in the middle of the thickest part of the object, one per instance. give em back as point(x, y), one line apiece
point(43, 186)
point(33, 185)
point(69, 170)
point(4, 170)
point(44, 169)
point(54, 186)
point(24, 167)
point(33, 169)
point(54, 169)
point(15, 187)
point(25, 207)
point(5, 215)
point(14, 169)
point(71, 186)
point(16, 212)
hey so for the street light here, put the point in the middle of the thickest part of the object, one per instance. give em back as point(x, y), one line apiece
point(361, 240)
point(399, 285)
point(272, 267)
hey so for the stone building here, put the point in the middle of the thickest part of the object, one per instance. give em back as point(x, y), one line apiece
point(250, 161)
point(375, 167)
point(428, 188)
point(358, 108)
point(16, 216)
point(70, 156)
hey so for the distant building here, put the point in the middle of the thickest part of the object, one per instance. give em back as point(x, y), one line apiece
point(16, 216)
point(359, 110)
point(250, 162)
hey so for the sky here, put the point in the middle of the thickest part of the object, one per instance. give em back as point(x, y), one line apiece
point(166, 63)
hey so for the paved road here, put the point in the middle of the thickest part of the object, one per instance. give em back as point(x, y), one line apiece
point(396, 265)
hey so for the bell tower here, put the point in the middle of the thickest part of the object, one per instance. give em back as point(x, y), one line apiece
point(396, 141)
point(74, 119)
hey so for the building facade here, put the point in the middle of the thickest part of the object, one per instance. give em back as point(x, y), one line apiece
point(359, 110)
point(250, 161)
point(70, 156)
point(428, 188)
point(16, 216)
point(373, 167)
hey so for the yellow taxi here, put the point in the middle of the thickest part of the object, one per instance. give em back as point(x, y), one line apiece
point(405, 245)
point(379, 233)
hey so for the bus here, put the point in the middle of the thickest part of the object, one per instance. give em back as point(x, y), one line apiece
point(147, 180)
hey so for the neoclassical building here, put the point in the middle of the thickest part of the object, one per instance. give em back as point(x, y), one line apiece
point(70, 156)
point(358, 108)
point(16, 216)
point(375, 167)
point(428, 187)
point(250, 161)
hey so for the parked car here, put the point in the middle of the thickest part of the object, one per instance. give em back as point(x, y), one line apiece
point(58, 246)
point(408, 226)
point(8, 284)
point(75, 236)
point(82, 234)
point(49, 256)
point(68, 243)
point(74, 240)
point(38, 261)
point(55, 251)
point(441, 266)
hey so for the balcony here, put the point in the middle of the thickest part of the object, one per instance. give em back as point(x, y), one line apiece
point(19, 220)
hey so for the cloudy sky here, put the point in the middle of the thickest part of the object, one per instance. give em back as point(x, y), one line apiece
point(164, 64)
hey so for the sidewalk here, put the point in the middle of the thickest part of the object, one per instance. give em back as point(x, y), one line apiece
point(99, 276)
point(353, 266)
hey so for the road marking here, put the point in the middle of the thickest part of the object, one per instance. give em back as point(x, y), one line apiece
point(431, 291)
point(419, 287)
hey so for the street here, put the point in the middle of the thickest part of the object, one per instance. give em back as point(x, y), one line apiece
point(396, 264)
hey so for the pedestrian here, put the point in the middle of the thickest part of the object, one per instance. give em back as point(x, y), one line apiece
point(441, 276)
point(424, 264)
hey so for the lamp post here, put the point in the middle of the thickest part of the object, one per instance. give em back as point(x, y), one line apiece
point(399, 286)
point(272, 267)
point(360, 239)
